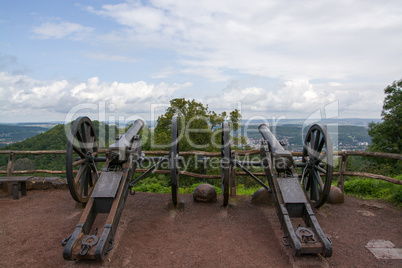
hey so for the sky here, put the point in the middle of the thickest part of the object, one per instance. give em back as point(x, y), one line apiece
point(119, 60)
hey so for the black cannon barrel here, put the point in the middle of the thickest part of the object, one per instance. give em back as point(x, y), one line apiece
point(283, 160)
point(119, 150)
point(127, 138)
point(276, 147)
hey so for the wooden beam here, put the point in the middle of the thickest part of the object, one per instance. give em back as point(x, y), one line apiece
point(375, 154)
point(39, 171)
point(372, 176)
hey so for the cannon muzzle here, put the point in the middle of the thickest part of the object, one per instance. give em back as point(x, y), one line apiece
point(118, 151)
point(283, 160)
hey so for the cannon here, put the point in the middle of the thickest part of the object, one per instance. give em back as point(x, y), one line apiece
point(106, 192)
point(292, 197)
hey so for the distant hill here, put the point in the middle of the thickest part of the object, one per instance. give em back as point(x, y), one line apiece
point(342, 136)
point(342, 121)
point(53, 139)
point(348, 137)
point(13, 133)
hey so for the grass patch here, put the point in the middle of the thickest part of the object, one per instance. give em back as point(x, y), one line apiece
point(243, 190)
point(161, 185)
point(375, 189)
point(363, 188)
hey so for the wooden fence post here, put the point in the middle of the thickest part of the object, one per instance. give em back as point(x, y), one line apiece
point(10, 164)
point(342, 169)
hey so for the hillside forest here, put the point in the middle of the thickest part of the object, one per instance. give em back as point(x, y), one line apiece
point(345, 137)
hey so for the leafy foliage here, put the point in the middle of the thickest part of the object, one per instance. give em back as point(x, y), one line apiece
point(199, 129)
point(198, 126)
point(387, 134)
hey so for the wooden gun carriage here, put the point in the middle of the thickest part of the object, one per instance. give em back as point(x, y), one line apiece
point(106, 193)
point(292, 197)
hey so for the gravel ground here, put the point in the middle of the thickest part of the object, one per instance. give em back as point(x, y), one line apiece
point(200, 235)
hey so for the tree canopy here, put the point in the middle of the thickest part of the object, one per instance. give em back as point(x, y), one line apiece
point(199, 128)
point(387, 134)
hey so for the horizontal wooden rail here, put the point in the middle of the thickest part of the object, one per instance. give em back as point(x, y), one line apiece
point(213, 154)
point(34, 152)
point(374, 154)
point(342, 166)
point(39, 171)
point(372, 176)
point(254, 173)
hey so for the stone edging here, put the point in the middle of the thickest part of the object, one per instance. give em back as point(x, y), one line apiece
point(43, 183)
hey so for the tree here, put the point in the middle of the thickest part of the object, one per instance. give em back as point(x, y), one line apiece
point(386, 135)
point(199, 128)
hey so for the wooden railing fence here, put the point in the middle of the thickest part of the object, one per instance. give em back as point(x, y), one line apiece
point(342, 173)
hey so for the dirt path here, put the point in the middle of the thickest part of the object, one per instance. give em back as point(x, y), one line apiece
point(200, 235)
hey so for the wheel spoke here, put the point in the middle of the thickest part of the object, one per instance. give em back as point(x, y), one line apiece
point(312, 140)
point(91, 141)
point(321, 145)
point(310, 185)
point(79, 174)
point(317, 178)
point(81, 180)
point(305, 178)
point(321, 169)
point(316, 141)
point(89, 133)
point(84, 182)
point(321, 157)
point(309, 150)
point(78, 151)
point(93, 175)
point(94, 179)
point(315, 190)
point(84, 133)
point(78, 135)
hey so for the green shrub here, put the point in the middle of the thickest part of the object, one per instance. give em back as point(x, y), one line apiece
point(372, 188)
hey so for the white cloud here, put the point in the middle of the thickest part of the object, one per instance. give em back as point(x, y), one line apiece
point(124, 95)
point(20, 93)
point(24, 97)
point(299, 99)
point(283, 39)
point(334, 84)
point(135, 15)
point(50, 30)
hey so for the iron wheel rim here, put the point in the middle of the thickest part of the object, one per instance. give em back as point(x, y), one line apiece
point(82, 141)
point(174, 152)
point(318, 159)
point(225, 165)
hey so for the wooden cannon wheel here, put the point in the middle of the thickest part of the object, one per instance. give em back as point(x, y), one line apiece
point(318, 159)
point(225, 162)
point(81, 170)
point(173, 159)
